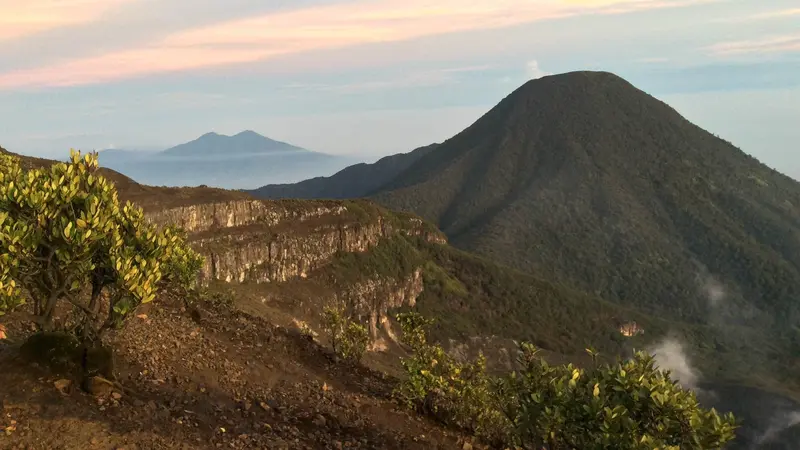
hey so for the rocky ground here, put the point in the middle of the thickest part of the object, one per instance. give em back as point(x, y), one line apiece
point(207, 377)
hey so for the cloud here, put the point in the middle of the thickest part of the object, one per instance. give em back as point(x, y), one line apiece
point(534, 71)
point(20, 18)
point(669, 355)
point(428, 78)
point(779, 14)
point(714, 290)
point(775, 44)
point(188, 99)
point(779, 423)
point(312, 28)
point(653, 60)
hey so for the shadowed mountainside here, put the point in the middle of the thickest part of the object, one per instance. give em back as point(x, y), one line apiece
point(584, 179)
point(355, 181)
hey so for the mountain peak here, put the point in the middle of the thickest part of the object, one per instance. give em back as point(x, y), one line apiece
point(572, 88)
point(586, 78)
point(249, 133)
point(245, 142)
point(586, 178)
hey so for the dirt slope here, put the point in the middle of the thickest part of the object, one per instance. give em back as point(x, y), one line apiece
point(227, 380)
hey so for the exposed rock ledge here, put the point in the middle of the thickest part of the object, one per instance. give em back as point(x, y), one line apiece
point(374, 298)
point(274, 241)
point(211, 216)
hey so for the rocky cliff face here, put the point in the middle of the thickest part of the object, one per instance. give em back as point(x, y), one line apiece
point(374, 298)
point(232, 214)
point(274, 241)
point(277, 241)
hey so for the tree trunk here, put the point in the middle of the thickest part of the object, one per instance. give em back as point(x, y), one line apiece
point(47, 313)
point(97, 360)
point(90, 321)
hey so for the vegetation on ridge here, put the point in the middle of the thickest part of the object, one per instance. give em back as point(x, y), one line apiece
point(589, 184)
point(472, 296)
point(355, 181)
point(348, 337)
point(583, 179)
point(627, 405)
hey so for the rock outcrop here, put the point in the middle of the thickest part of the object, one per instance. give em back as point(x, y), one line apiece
point(275, 241)
point(375, 297)
point(216, 216)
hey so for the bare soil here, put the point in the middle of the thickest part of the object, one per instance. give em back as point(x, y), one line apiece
point(208, 377)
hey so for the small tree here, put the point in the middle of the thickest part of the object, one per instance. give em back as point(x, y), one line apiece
point(456, 393)
point(63, 229)
point(349, 338)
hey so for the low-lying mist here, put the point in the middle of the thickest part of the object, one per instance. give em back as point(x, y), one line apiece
point(763, 417)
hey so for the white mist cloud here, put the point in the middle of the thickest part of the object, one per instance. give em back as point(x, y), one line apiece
point(669, 355)
point(534, 71)
point(778, 424)
point(714, 290)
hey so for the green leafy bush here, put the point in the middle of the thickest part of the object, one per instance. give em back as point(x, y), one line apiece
point(453, 392)
point(63, 229)
point(217, 294)
point(627, 405)
point(349, 338)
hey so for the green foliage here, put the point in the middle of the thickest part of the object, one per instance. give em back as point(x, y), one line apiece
point(470, 295)
point(491, 299)
point(437, 279)
point(62, 228)
point(349, 338)
point(183, 264)
point(306, 331)
point(217, 293)
point(648, 200)
point(436, 384)
point(394, 257)
point(629, 405)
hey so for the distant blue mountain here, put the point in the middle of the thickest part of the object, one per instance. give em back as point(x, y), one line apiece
point(244, 160)
point(244, 143)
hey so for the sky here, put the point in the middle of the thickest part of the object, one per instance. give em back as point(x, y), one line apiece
point(375, 77)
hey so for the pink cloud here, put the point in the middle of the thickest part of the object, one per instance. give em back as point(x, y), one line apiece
point(19, 18)
point(318, 28)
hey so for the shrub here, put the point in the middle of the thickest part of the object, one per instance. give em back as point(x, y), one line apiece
point(628, 405)
point(454, 393)
point(349, 338)
point(217, 295)
point(306, 331)
point(63, 229)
